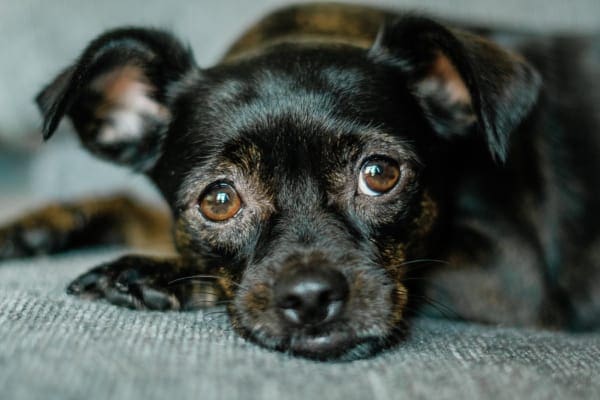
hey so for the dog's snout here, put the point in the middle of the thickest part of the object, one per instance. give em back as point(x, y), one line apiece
point(310, 296)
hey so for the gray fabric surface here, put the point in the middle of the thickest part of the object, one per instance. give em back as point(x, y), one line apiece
point(53, 346)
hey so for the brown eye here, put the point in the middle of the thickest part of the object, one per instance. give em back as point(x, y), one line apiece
point(220, 202)
point(378, 175)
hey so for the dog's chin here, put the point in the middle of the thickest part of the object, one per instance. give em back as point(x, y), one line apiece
point(330, 346)
point(334, 346)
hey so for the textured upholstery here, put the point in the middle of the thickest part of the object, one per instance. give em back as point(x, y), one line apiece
point(53, 346)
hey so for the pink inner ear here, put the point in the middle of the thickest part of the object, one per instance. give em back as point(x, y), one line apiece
point(444, 81)
point(126, 104)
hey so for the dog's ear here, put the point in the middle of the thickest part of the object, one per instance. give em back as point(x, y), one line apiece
point(463, 82)
point(117, 94)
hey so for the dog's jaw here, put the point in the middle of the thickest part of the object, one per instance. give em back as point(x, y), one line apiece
point(336, 345)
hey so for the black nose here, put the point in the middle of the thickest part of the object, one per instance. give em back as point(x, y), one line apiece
point(311, 295)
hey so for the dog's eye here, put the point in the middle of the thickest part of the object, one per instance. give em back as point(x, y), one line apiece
point(378, 176)
point(220, 202)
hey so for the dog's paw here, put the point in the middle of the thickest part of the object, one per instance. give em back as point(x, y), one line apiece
point(17, 242)
point(127, 282)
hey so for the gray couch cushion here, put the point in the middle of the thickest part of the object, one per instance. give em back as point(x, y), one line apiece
point(53, 346)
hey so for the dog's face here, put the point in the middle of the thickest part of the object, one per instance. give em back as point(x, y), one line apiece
point(304, 183)
point(306, 175)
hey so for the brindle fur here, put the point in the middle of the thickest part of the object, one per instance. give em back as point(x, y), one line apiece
point(118, 220)
point(495, 222)
point(314, 23)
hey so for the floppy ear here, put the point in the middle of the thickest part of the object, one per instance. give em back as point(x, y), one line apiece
point(117, 94)
point(463, 82)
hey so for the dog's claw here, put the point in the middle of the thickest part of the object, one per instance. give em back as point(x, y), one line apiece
point(84, 284)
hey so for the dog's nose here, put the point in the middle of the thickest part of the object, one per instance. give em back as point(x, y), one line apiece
point(311, 295)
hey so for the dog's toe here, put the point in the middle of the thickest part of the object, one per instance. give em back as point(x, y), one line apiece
point(92, 284)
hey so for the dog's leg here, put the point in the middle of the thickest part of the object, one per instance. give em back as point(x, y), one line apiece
point(150, 283)
point(59, 227)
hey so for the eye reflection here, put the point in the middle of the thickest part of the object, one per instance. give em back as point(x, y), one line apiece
point(222, 198)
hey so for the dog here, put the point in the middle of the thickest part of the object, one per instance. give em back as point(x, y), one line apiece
point(342, 169)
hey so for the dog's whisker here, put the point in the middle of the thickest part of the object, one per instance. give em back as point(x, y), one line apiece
point(208, 301)
point(204, 305)
point(445, 310)
point(417, 279)
point(205, 276)
point(419, 312)
point(216, 303)
point(423, 260)
point(207, 292)
point(215, 311)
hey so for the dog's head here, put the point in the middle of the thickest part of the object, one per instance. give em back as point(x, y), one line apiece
point(306, 175)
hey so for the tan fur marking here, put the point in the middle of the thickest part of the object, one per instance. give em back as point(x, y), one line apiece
point(226, 282)
point(140, 225)
point(126, 102)
point(118, 82)
point(257, 299)
point(182, 237)
point(401, 298)
point(446, 75)
point(426, 219)
point(395, 254)
point(311, 23)
point(55, 217)
point(149, 228)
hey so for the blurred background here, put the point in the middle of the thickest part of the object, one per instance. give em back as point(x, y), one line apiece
point(40, 37)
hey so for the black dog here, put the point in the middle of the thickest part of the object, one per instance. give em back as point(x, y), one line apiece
point(318, 172)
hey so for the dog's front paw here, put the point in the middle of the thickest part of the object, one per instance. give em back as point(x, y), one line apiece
point(133, 282)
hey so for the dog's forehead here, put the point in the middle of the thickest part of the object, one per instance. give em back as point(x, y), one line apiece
point(305, 96)
point(262, 97)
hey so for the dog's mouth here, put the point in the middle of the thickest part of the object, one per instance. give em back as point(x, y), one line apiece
point(335, 345)
point(341, 340)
